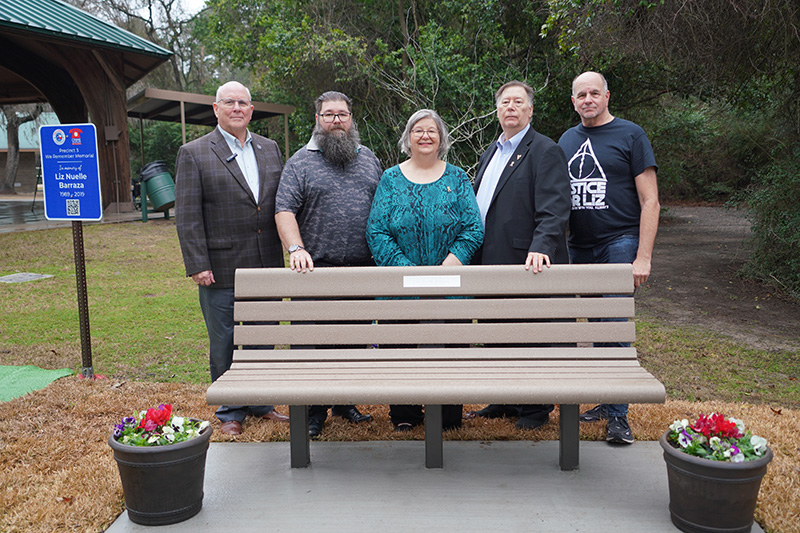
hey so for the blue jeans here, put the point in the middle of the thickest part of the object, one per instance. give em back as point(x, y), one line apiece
point(620, 250)
point(217, 307)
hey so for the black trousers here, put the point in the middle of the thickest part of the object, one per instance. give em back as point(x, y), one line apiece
point(413, 414)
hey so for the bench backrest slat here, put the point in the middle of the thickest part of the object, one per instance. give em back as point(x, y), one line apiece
point(480, 309)
point(478, 280)
point(412, 334)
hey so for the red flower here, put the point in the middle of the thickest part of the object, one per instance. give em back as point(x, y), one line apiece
point(155, 418)
point(716, 425)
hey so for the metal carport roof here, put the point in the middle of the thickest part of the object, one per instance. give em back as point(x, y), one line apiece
point(191, 108)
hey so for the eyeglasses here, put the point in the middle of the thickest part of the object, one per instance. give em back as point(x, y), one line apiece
point(420, 133)
point(517, 103)
point(231, 103)
point(330, 117)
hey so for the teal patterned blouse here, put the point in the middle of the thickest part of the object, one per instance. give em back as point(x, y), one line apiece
point(419, 224)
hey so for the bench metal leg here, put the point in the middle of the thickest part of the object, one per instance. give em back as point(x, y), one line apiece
point(433, 437)
point(298, 436)
point(569, 437)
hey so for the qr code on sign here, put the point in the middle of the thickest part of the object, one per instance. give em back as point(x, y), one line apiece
point(73, 208)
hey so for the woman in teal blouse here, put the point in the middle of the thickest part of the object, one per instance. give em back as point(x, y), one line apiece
point(424, 213)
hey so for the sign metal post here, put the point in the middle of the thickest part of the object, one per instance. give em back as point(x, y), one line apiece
point(71, 182)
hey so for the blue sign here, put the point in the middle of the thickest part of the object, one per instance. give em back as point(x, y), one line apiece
point(70, 172)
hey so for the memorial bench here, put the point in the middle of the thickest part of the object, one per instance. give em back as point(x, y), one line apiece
point(483, 341)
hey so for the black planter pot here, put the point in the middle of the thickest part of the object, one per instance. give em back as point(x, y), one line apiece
point(162, 484)
point(712, 496)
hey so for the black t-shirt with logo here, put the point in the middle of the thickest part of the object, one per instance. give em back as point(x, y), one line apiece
point(603, 162)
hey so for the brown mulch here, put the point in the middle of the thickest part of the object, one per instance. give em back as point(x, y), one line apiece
point(57, 471)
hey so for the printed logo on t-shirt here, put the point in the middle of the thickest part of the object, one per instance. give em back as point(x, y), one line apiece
point(587, 179)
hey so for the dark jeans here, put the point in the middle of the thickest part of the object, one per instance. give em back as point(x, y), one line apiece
point(620, 250)
point(217, 307)
point(320, 412)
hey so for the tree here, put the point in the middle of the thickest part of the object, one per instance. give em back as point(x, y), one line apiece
point(392, 58)
point(166, 23)
point(15, 116)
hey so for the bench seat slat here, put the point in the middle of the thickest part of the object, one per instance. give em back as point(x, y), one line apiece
point(430, 354)
point(314, 382)
point(488, 333)
point(515, 308)
point(336, 367)
point(568, 388)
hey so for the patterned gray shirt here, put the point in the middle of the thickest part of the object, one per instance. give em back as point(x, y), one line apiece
point(331, 203)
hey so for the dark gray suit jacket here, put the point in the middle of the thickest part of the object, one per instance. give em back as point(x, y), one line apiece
point(221, 226)
point(530, 206)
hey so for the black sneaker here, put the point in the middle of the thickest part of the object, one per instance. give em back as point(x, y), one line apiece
point(314, 427)
point(595, 414)
point(619, 432)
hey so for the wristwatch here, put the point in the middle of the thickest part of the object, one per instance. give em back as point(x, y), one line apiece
point(293, 248)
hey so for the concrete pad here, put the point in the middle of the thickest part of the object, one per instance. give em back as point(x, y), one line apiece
point(22, 277)
point(383, 486)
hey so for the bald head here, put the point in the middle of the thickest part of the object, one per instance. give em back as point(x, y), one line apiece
point(232, 85)
point(592, 77)
point(590, 98)
point(234, 109)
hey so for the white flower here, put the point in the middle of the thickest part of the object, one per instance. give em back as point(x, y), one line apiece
point(170, 437)
point(738, 458)
point(684, 439)
point(759, 444)
point(153, 438)
point(739, 424)
point(167, 430)
point(204, 425)
point(679, 425)
point(715, 443)
point(177, 421)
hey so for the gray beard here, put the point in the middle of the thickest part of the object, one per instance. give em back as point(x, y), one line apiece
point(339, 149)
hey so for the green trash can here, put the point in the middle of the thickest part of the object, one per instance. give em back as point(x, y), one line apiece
point(158, 184)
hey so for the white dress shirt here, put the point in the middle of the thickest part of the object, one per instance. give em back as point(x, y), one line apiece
point(505, 149)
point(246, 158)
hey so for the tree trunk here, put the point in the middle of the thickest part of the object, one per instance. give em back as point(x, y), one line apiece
point(12, 158)
point(16, 115)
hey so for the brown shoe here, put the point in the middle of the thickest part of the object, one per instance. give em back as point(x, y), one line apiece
point(276, 416)
point(231, 427)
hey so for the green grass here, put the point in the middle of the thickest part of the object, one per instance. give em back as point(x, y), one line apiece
point(699, 365)
point(146, 322)
point(143, 312)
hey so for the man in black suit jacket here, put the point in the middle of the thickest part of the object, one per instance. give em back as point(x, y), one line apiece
point(224, 204)
point(523, 193)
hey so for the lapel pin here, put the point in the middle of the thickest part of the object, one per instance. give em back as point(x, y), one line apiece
point(518, 155)
point(258, 146)
point(512, 164)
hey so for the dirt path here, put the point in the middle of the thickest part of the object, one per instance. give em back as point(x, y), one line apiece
point(694, 281)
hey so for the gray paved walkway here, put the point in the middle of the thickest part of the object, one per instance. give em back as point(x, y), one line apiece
point(21, 213)
point(383, 486)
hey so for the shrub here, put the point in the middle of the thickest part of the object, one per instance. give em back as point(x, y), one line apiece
point(773, 203)
point(700, 152)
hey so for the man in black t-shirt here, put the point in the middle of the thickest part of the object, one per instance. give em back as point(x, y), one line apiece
point(615, 208)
